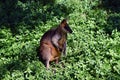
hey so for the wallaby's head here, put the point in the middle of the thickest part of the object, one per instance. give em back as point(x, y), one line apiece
point(65, 26)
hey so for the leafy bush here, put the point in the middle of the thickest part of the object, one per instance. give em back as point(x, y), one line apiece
point(93, 50)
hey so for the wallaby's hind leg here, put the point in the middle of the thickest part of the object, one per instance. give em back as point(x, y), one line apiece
point(46, 54)
point(47, 64)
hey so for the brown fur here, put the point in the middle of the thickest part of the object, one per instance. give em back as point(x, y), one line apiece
point(52, 44)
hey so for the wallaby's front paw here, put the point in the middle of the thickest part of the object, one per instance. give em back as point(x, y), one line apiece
point(60, 49)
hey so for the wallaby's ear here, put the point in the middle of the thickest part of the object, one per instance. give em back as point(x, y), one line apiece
point(63, 22)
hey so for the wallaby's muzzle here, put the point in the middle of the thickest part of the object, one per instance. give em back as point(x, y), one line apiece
point(68, 29)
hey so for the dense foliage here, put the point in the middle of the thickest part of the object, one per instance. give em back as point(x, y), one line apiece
point(93, 50)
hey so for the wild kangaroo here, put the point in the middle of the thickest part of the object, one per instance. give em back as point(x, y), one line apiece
point(53, 43)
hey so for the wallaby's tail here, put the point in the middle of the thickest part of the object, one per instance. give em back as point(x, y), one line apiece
point(37, 50)
point(39, 55)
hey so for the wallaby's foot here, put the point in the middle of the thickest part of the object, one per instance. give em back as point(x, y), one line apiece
point(56, 61)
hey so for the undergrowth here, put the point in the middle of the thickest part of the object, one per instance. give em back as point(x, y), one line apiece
point(93, 50)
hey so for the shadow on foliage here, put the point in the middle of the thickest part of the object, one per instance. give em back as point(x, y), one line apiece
point(113, 9)
point(11, 67)
point(26, 14)
point(17, 62)
point(110, 5)
point(113, 22)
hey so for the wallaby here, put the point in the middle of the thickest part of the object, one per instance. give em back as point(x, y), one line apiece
point(53, 43)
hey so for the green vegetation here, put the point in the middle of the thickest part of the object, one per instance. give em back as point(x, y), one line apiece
point(93, 50)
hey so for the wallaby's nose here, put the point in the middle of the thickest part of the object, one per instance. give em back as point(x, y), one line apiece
point(68, 29)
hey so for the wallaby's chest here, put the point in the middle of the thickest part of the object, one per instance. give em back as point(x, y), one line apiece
point(62, 39)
